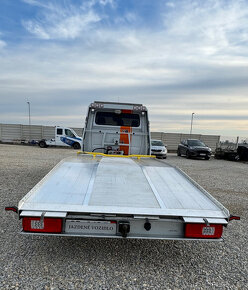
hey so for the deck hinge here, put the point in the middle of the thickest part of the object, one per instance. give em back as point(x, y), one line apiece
point(206, 222)
point(42, 216)
point(143, 217)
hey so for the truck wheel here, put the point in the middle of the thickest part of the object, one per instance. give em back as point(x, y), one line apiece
point(187, 154)
point(178, 152)
point(217, 156)
point(76, 146)
point(42, 144)
point(207, 157)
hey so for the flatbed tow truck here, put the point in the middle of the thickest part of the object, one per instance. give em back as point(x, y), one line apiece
point(114, 188)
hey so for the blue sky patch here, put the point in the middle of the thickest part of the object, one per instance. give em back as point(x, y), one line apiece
point(174, 56)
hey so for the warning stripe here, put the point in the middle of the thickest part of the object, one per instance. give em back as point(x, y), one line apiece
point(124, 136)
point(124, 139)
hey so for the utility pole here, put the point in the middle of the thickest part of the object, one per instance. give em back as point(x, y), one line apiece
point(29, 120)
point(192, 116)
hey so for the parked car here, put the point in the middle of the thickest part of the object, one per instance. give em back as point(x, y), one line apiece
point(194, 148)
point(158, 149)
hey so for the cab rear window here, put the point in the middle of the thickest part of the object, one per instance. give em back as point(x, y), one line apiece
point(114, 119)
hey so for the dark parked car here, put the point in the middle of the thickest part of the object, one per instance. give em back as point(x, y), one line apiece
point(194, 148)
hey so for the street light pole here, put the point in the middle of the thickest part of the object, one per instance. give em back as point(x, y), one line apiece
point(192, 116)
point(29, 120)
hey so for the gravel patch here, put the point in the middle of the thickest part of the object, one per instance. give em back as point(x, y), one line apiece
point(84, 263)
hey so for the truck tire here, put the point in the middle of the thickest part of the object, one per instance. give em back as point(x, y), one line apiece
point(76, 146)
point(188, 155)
point(207, 157)
point(42, 144)
point(217, 156)
point(178, 152)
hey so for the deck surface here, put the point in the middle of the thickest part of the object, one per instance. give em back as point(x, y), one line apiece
point(119, 185)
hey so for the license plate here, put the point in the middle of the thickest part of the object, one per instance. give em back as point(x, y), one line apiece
point(90, 227)
point(36, 224)
point(202, 154)
point(208, 231)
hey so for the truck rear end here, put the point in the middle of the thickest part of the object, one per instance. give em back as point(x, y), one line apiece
point(121, 197)
point(115, 189)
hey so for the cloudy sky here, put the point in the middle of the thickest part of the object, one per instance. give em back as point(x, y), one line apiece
point(176, 57)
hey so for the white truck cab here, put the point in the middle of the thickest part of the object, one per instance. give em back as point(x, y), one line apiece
point(117, 128)
point(63, 136)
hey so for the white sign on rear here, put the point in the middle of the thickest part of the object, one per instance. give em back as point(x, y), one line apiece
point(90, 227)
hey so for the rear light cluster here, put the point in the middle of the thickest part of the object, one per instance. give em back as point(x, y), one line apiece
point(212, 231)
point(96, 105)
point(46, 225)
point(139, 108)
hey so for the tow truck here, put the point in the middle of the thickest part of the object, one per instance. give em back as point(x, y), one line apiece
point(114, 188)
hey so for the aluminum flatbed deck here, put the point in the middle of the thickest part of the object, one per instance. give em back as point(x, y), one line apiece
point(121, 186)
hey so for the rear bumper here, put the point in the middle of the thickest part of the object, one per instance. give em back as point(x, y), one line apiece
point(199, 154)
point(120, 237)
point(159, 154)
point(137, 228)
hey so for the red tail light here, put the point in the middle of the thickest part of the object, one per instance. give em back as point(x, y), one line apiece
point(213, 231)
point(47, 225)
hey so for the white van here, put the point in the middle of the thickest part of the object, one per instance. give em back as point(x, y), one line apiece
point(63, 136)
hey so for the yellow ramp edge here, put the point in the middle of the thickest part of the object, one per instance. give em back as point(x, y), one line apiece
point(94, 154)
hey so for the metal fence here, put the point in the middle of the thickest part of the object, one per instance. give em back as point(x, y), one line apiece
point(17, 133)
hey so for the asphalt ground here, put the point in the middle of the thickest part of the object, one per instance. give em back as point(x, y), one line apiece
point(38, 262)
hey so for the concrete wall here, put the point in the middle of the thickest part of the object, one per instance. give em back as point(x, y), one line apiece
point(16, 133)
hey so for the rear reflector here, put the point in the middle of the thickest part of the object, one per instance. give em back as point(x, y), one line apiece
point(126, 111)
point(11, 208)
point(47, 225)
point(234, 217)
point(213, 231)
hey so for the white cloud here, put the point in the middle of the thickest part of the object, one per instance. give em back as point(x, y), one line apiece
point(32, 2)
point(130, 17)
point(39, 3)
point(198, 61)
point(107, 2)
point(207, 27)
point(61, 22)
point(170, 4)
point(36, 29)
point(182, 55)
point(2, 44)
